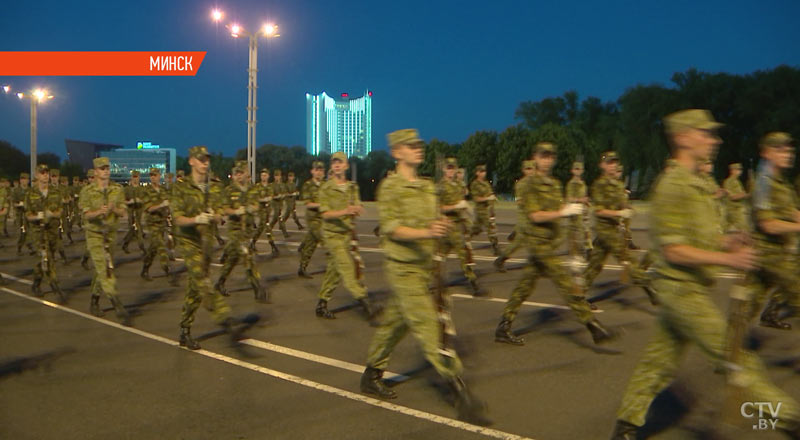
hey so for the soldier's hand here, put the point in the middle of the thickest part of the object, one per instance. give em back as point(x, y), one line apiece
point(164, 204)
point(572, 209)
point(491, 197)
point(40, 215)
point(626, 213)
point(103, 210)
point(240, 211)
point(439, 228)
point(743, 258)
point(355, 210)
point(203, 218)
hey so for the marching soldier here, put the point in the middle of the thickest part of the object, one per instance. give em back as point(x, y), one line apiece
point(411, 224)
point(102, 203)
point(5, 196)
point(133, 198)
point(609, 201)
point(543, 207)
point(89, 181)
point(578, 236)
point(453, 205)
point(217, 187)
point(688, 246)
point(777, 222)
point(717, 193)
point(626, 222)
point(18, 200)
point(75, 192)
point(263, 194)
point(484, 198)
point(528, 169)
point(278, 194)
point(43, 211)
point(239, 205)
point(340, 204)
point(155, 202)
point(310, 195)
point(61, 227)
point(194, 206)
point(290, 200)
point(735, 209)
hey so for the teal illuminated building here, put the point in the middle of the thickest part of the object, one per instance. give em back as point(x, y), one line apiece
point(339, 124)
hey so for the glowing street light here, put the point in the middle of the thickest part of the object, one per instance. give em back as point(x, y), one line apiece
point(216, 15)
point(6, 88)
point(35, 96)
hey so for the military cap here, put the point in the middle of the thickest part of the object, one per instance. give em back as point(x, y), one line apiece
point(198, 152)
point(577, 164)
point(406, 136)
point(480, 168)
point(735, 166)
point(544, 147)
point(609, 156)
point(265, 170)
point(277, 172)
point(339, 155)
point(687, 119)
point(42, 168)
point(63, 179)
point(101, 162)
point(134, 173)
point(90, 173)
point(317, 165)
point(240, 166)
point(24, 176)
point(776, 139)
point(55, 172)
point(290, 173)
point(451, 162)
point(155, 171)
point(528, 164)
point(76, 178)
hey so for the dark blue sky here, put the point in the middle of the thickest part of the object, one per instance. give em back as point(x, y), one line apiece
point(446, 67)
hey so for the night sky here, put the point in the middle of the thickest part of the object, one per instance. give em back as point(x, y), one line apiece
point(446, 67)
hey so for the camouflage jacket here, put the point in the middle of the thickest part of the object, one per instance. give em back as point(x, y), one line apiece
point(335, 197)
point(188, 200)
point(450, 192)
point(135, 194)
point(481, 189)
point(235, 197)
point(93, 198)
point(278, 190)
point(36, 202)
point(310, 194)
point(411, 204)
point(543, 193)
point(608, 193)
point(291, 189)
point(683, 213)
point(520, 190)
point(576, 188)
point(773, 198)
point(260, 191)
point(17, 196)
point(155, 196)
point(734, 187)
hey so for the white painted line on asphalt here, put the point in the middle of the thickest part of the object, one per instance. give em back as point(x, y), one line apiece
point(527, 303)
point(290, 377)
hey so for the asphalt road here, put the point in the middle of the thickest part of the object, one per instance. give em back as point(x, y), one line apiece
point(297, 376)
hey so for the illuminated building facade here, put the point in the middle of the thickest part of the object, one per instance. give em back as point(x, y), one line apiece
point(339, 124)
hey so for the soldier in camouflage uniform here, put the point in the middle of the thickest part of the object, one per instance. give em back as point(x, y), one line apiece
point(155, 202)
point(263, 194)
point(340, 204)
point(540, 214)
point(484, 198)
point(626, 222)
point(194, 206)
point(609, 202)
point(517, 241)
point(777, 223)
point(43, 211)
point(451, 194)
point(278, 194)
point(134, 193)
point(290, 201)
point(66, 215)
point(688, 245)
point(18, 201)
point(735, 207)
point(75, 192)
point(61, 227)
point(89, 180)
point(239, 205)
point(717, 193)
point(217, 187)
point(576, 193)
point(411, 225)
point(310, 195)
point(102, 203)
point(5, 204)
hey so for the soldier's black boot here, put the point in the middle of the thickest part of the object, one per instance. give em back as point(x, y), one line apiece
point(301, 272)
point(504, 334)
point(122, 313)
point(651, 294)
point(500, 263)
point(85, 262)
point(125, 247)
point(322, 310)
point(600, 334)
point(371, 311)
point(186, 339)
point(470, 409)
point(299, 226)
point(377, 231)
point(146, 273)
point(372, 383)
point(220, 287)
point(62, 297)
point(69, 237)
point(64, 257)
point(275, 251)
point(94, 307)
point(233, 330)
point(476, 290)
point(624, 431)
point(36, 288)
point(769, 317)
point(259, 292)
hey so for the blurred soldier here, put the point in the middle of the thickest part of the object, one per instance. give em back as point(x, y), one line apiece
point(5, 204)
point(777, 222)
point(133, 199)
point(578, 238)
point(735, 209)
point(717, 193)
point(453, 205)
point(239, 205)
point(626, 222)
point(216, 188)
point(484, 198)
point(194, 206)
point(290, 201)
point(263, 194)
point(102, 203)
point(61, 226)
point(310, 195)
point(339, 205)
point(89, 181)
point(18, 200)
point(528, 169)
point(460, 173)
point(43, 211)
point(688, 246)
point(411, 225)
point(278, 194)
point(155, 201)
point(75, 193)
point(169, 181)
point(609, 202)
point(543, 207)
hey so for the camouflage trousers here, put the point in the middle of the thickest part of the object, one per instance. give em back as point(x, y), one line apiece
point(134, 229)
point(517, 242)
point(22, 225)
point(687, 315)
point(198, 287)
point(483, 220)
point(45, 241)
point(102, 281)
point(457, 239)
point(577, 236)
point(290, 210)
point(342, 267)
point(312, 238)
point(612, 243)
point(277, 218)
point(237, 249)
point(411, 307)
point(777, 275)
point(157, 243)
point(263, 223)
point(542, 263)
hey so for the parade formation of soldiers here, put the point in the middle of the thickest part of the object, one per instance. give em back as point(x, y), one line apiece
point(695, 226)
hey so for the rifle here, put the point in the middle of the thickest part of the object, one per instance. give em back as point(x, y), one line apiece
point(354, 237)
point(106, 245)
point(448, 330)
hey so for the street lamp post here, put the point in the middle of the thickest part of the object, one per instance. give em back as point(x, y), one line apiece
point(268, 31)
point(35, 97)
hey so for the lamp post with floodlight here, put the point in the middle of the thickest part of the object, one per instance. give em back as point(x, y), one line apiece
point(35, 96)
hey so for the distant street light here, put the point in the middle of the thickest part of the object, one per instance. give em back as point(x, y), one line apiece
point(35, 96)
point(268, 30)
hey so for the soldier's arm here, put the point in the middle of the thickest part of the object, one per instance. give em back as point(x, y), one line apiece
point(602, 202)
point(390, 219)
point(307, 198)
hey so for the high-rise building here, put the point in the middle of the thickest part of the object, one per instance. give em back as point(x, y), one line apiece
point(339, 124)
